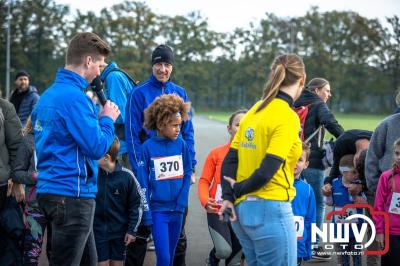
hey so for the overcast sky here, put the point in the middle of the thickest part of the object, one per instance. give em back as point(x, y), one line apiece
point(225, 15)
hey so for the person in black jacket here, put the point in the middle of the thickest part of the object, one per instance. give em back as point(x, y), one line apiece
point(319, 118)
point(352, 141)
point(119, 208)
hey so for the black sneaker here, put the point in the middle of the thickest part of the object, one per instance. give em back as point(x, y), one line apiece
point(320, 254)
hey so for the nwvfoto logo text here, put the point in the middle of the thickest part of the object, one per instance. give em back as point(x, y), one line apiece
point(338, 234)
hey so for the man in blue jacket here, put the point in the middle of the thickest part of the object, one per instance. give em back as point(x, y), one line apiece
point(162, 61)
point(24, 97)
point(70, 137)
point(117, 86)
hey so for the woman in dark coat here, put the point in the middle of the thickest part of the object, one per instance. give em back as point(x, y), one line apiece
point(319, 117)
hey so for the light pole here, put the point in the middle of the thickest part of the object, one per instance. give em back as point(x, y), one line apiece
point(8, 18)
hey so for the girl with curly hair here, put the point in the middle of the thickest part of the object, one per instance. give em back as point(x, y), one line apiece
point(165, 173)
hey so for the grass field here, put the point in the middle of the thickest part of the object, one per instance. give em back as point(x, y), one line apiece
point(348, 121)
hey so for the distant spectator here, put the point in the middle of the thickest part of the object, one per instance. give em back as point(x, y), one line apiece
point(24, 97)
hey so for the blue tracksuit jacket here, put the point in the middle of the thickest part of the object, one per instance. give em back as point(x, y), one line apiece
point(341, 197)
point(168, 194)
point(69, 138)
point(140, 98)
point(117, 88)
point(303, 205)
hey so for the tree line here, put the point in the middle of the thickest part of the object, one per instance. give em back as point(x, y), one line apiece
point(221, 70)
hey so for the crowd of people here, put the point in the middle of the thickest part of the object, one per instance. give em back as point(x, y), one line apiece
point(102, 178)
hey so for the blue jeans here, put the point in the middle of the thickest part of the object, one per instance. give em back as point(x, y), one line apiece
point(315, 177)
point(166, 230)
point(266, 231)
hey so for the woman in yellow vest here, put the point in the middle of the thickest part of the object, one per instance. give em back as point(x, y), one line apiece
point(258, 169)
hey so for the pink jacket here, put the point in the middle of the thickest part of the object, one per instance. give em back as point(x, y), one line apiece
point(383, 198)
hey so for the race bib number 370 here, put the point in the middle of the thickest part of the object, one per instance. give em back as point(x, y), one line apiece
point(169, 167)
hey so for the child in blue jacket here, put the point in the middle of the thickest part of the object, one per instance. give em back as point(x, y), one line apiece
point(341, 197)
point(303, 206)
point(165, 173)
point(119, 209)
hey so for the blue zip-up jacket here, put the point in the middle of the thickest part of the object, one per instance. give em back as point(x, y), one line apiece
point(168, 194)
point(28, 103)
point(119, 206)
point(117, 88)
point(140, 98)
point(69, 138)
point(342, 197)
point(303, 205)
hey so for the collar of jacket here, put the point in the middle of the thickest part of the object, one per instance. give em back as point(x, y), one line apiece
point(71, 78)
point(32, 89)
point(286, 97)
point(306, 98)
point(157, 83)
point(118, 166)
point(164, 139)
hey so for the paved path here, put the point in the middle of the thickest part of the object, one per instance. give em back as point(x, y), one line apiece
point(208, 134)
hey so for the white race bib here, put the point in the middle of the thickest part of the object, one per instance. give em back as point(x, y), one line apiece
point(218, 194)
point(168, 167)
point(342, 217)
point(395, 203)
point(299, 224)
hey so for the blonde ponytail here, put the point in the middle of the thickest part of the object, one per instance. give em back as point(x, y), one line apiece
point(286, 70)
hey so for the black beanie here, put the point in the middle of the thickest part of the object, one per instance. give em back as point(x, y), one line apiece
point(21, 73)
point(162, 53)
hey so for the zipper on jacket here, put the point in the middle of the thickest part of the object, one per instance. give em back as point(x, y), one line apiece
point(163, 89)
